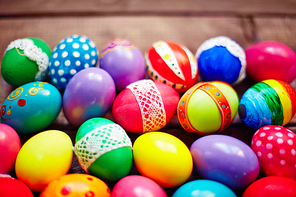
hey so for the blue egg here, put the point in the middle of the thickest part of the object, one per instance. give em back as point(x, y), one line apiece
point(203, 188)
point(32, 107)
point(221, 59)
point(70, 56)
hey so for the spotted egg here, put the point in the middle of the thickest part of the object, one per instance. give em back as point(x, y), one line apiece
point(70, 56)
point(275, 147)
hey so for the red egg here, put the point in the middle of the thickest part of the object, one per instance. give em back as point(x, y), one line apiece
point(271, 60)
point(275, 147)
point(271, 186)
point(11, 187)
point(145, 106)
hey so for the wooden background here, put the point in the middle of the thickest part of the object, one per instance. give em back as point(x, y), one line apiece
point(187, 22)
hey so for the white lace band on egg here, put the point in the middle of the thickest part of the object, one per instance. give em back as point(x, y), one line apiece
point(150, 103)
point(33, 53)
point(100, 141)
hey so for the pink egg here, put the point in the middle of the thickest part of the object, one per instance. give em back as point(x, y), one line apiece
point(10, 145)
point(137, 186)
point(271, 60)
point(11, 187)
point(275, 147)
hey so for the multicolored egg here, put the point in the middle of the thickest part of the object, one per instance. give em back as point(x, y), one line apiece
point(275, 147)
point(225, 159)
point(137, 186)
point(271, 186)
point(163, 158)
point(10, 145)
point(31, 107)
point(172, 64)
point(103, 149)
point(221, 58)
point(70, 56)
point(203, 188)
point(25, 60)
point(270, 102)
point(43, 158)
point(11, 187)
point(207, 107)
point(124, 62)
point(145, 106)
point(271, 60)
point(89, 94)
point(74, 185)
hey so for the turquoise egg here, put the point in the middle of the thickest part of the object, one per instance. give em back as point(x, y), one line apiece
point(31, 107)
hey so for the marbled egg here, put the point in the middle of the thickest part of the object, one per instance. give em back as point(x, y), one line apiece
point(31, 107)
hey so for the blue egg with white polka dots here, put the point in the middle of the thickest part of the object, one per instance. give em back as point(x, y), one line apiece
point(71, 55)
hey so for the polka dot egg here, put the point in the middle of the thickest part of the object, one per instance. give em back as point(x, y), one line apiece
point(275, 147)
point(71, 55)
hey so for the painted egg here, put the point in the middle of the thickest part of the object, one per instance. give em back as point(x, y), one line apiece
point(72, 185)
point(145, 106)
point(137, 186)
point(43, 158)
point(275, 147)
point(271, 186)
point(207, 107)
point(163, 157)
point(10, 145)
point(32, 107)
point(124, 62)
point(11, 187)
point(103, 149)
point(71, 55)
point(25, 60)
point(89, 94)
point(270, 102)
point(271, 60)
point(221, 58)
point(203, 188)
point(172, 64)
point(225, 159)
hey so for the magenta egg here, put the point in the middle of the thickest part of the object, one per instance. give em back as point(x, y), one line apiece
point(90, 93)
point(271, 60)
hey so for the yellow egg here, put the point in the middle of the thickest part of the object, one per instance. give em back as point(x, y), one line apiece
point(43, 158)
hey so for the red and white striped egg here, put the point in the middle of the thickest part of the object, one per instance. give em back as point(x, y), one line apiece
point(275, 147)
point(172, 64)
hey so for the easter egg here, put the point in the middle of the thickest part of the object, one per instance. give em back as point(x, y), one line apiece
point(270, 102)
point(72, 185)
point(73, 54)
point(44, 157)
point(207, 107)
point(271, 60)
point(145, 106)
point(271, 186)
point(31, 107)
point(221, 58)
point(203, 188)
point(137, 186)
point(225, 159)
point(124, 62)
point(89, 94)
point(103, 149)
point(10, 145)
point(11, 187)
point(275, 147)
point(163, 158)
point(25, 60)
point(172, 64)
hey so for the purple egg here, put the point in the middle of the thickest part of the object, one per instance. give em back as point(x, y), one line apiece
point(90, 93)
point(225, 159)
point(124, 62)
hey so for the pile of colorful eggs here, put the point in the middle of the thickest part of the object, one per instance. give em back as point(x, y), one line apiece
point(120, 104)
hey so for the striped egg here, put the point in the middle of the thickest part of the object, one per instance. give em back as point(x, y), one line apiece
point(270, 102)
point(172, 64)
